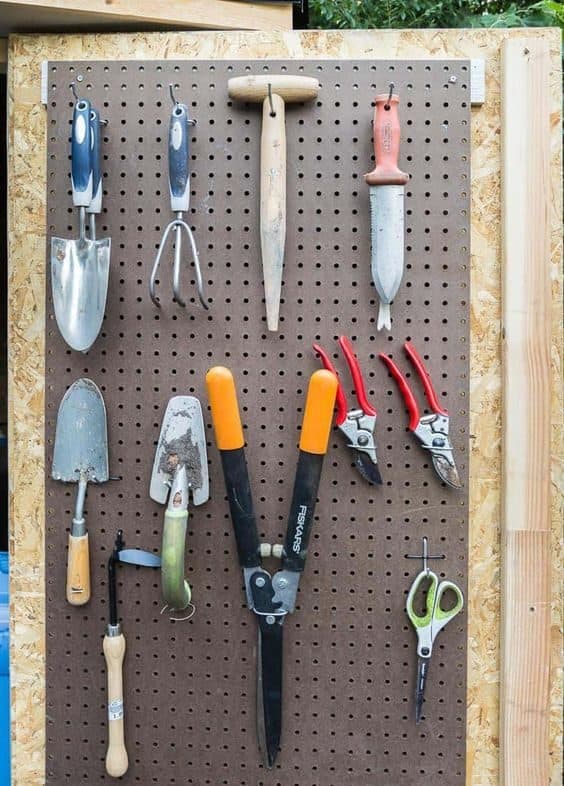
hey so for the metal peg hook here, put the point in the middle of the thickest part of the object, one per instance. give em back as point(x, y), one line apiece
point(272, 112)
point(171, 88)
point(75, 94)
point(387, 104)
point(425, 556)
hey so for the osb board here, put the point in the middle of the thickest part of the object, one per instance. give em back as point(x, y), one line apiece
point(27, 348)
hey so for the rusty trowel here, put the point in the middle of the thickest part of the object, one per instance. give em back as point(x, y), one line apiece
point(80, 268)
point(80, 456)
point(180, 470)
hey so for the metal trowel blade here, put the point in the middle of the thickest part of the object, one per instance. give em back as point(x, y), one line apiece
point(80, 271)
point(81, 440)
point(182, 441)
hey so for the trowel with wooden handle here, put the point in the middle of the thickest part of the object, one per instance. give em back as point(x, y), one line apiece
point(80, 456)
point(180, 469)
point(80, 268)
point(386, 183)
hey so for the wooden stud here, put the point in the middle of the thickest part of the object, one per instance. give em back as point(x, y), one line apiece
point(526, 412)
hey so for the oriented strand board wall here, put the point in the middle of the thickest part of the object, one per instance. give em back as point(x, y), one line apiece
point(27, 129)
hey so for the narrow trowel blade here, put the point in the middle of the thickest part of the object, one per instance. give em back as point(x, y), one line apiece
point(182, 441)
point(81, 441)
point(80, 271)
point(387, 239)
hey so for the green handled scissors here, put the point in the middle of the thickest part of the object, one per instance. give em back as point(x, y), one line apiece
point(429, 624)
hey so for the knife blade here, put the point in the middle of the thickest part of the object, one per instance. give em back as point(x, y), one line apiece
point(386, 183)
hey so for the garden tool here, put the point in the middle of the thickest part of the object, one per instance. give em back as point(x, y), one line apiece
point(273, 91)
point(114, 652)
point(180, 469)
point(80, 456)
point(429, 624)
point(80, 268)
point(431, 430)
point(271, 598)
point(179, 186)
point(386, 183)
point(357, 424)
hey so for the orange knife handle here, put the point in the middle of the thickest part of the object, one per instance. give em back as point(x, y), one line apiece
point(386, 144)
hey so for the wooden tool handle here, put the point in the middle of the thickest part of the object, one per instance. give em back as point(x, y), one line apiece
point(78, 571)
point(386, 144)
point(273, 203)
point(116, 757)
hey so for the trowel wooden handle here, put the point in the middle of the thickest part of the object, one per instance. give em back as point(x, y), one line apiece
point(273, 203)
point(78, 570)
point(116, 756)
point(386, 144)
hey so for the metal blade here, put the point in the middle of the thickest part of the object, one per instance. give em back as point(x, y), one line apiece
point(367, 468)
point(81, 441)
point(80, 271)
point(387, 239)
point(422, 669)
point(182, 441)
point(446, 471)
point(145, 559)
point(269, 689)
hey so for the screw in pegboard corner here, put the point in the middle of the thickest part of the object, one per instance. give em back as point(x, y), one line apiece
point(452, 79)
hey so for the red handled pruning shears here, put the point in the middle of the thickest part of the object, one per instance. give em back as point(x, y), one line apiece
point(357, 425)
point(431, 430)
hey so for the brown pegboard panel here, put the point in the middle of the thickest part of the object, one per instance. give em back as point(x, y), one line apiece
point(350, 652)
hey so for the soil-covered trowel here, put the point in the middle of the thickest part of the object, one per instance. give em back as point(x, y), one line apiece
point(180, 469)
point(80, 456)
point(80, 268)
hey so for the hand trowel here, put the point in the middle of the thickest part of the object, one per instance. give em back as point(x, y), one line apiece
point(386, 183)
point(180, 469)
point(80, 456)
point(80, 268)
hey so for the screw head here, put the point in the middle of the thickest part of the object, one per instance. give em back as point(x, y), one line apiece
point(452, 79)
point(362, 440)
point(270, 619)
point(79, 78)
point(282, 582)
point(260, 581)
point(424, 650)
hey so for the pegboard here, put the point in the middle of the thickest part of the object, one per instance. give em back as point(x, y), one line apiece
point(350, 652)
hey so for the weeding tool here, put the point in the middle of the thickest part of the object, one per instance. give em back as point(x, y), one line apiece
point(179, 186)
point(114, 652)
point(431, 430)
point(80, 268)
point(80, 456)
point(271, 598)
point(180, 469)
point(386, 183)
point(358, 424)
point(273, 91)
point(428, 625)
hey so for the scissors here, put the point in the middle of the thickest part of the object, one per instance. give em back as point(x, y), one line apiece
point(428, 625)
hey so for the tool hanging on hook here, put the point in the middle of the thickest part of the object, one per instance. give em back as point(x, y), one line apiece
point(179, 185)
point(114, 653)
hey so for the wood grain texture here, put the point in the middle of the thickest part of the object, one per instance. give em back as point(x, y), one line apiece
point(27, 183)
point(526, 421)
point(190, 14)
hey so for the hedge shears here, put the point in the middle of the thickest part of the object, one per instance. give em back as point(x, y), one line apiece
point(271, 597)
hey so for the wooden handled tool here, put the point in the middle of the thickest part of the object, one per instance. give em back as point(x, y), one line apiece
point(274, 91)
point(117, 760)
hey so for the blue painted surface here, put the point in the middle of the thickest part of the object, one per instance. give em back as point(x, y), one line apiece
point(4, 674)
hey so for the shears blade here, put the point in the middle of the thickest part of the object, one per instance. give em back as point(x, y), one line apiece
point(422, 669)
point(367, 468)
point(446, 470)
point(269, 690)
